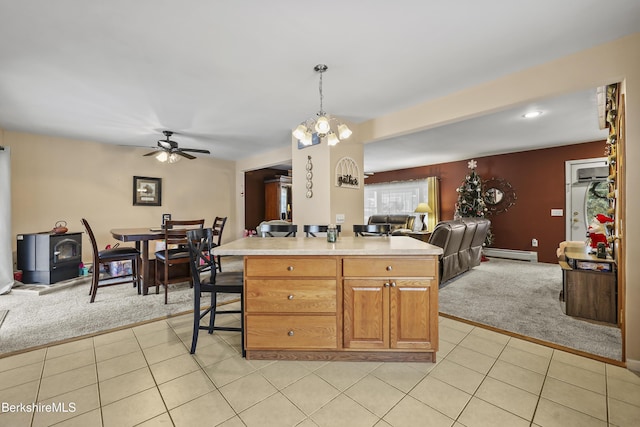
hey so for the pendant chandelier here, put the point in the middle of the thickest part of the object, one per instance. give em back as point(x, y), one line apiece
point(322, 124)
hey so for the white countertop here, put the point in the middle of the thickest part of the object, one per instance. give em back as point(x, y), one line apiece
point(348, 245)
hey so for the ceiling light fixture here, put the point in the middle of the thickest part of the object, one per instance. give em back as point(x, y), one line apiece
point(532, 114)
point(321, 125)
point(166, 157)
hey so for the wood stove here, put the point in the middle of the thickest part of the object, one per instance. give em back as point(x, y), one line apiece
point(49, 258)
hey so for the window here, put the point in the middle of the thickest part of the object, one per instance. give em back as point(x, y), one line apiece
point(400, 197)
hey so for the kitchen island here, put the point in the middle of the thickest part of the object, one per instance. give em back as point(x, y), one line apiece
point(361, 298)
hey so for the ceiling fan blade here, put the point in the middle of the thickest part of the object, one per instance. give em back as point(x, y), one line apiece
point(151, 153)
point(195, 150)
point(186, 155)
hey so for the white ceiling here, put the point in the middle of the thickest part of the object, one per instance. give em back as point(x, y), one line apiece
point(235, 77)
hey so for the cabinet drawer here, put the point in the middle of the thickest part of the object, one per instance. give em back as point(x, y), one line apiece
point(291, 267)
point(389, 267)
point(291, 332)
point(290, 296)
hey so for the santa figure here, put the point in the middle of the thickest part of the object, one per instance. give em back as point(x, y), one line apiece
point(597, 232)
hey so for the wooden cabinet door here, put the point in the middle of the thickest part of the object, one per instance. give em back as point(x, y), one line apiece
point(413, 314)
point(366, 314)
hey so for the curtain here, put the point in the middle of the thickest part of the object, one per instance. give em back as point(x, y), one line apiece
point(433, 197)
point(6, 257)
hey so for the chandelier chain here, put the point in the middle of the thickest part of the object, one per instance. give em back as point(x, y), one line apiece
point(321, 113)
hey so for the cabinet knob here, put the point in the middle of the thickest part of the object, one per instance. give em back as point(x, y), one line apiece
point(290, 297)
point(290, 268)
point(393, 284)
point(290, 333)
point(389, 268)
point(386, 285)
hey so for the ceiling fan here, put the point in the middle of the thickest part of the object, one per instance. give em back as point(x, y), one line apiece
point(172, 150)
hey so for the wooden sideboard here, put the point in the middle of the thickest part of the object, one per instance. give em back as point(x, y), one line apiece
point(346, 301)
point(589, 286)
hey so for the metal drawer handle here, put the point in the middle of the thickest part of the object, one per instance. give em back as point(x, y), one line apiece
point(290, 268)
point(290, 297)
point(290, 333)
point(389, 268)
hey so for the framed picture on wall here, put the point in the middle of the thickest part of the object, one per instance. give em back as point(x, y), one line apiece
point(147, 191)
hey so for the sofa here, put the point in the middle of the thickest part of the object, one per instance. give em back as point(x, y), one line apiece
point(461, 241)
point(400, 224)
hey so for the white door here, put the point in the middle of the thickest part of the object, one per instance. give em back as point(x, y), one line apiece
point(586, 195)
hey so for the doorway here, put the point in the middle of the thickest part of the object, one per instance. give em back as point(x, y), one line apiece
point(587, 195)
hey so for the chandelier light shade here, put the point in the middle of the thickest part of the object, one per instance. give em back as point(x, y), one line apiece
point(323, 124)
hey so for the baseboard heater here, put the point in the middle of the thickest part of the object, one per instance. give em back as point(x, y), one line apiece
point(511, 254)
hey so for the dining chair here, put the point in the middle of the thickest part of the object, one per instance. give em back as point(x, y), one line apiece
point(172, 262)
point(364, 230)
point(311, 230)
point(218, 227)
point(267, 230)
point(120, 253)
point(200, 243)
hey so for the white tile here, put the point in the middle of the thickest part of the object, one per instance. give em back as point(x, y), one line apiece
point(552, 414)
point(624, 391)
point(185, 388)
point(579, 361)
point(344, 412)
point(247, 391)
point(283, 373)
point(274, 411)
point(173, 368)
point(575, 397)
point(211, 407)
point(457, 376)
point(134, 409)
point(527, 360)
point(622, 414)
point(482, 345)
point(517, 376)
point(310, 393)
point(399, 375)
point(578, 376)
point(229, 370)
point(412, 412)
point(65, 382)
point(508, 397)
point(375, 395)
point(479, 413)
point(125, 385)
point(471, 359)
point(24, 359)
point(441, 396)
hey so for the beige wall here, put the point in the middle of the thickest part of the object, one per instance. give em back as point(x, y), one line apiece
point(328, 199)
point(617, 61)
point(56, 179)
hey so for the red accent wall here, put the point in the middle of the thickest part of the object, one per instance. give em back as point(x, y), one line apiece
point(537, 178)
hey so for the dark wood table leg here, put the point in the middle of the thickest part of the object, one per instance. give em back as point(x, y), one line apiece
point(145, 267)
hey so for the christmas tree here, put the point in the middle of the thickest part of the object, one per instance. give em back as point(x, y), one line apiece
point(471, 198)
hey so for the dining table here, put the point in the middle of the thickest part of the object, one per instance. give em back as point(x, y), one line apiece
point(141, 236)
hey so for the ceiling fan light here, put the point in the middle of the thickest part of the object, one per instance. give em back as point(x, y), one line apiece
point(343, 131)
point(173, 158)
point(299, 132)
point(332, 139)
point(322, 125)
point(162, 156)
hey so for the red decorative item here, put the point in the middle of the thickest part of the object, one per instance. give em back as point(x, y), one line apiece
point(60, 227)
point(597, 232)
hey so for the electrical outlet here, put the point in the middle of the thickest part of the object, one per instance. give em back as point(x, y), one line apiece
point(339, 218)
point(534, 243)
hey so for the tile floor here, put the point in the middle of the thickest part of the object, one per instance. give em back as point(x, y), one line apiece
point(145, 376)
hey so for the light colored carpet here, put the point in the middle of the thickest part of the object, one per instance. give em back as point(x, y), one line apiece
point(36, 320)
point(3, 314)
point(522, 297)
